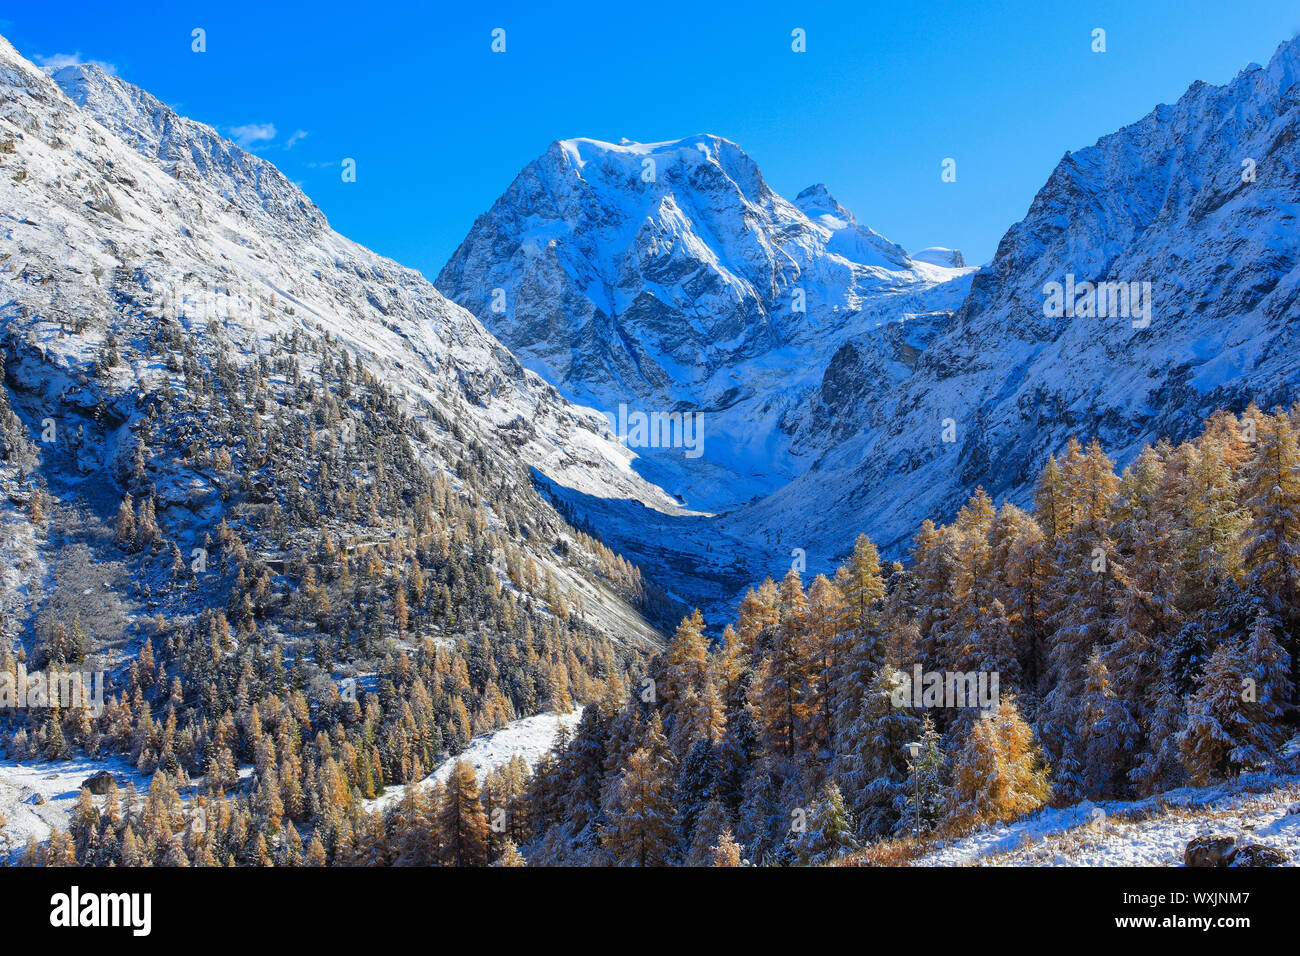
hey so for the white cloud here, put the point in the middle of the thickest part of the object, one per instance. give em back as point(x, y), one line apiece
point(298, 135)
point(58, 61)
point(251, 134)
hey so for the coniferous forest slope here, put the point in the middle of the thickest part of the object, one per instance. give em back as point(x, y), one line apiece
point(308, 533)
point(269, 492)
point(1143, 626)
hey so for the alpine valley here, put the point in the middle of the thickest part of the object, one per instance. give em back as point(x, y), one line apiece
point(318, 526)
point(846, 386)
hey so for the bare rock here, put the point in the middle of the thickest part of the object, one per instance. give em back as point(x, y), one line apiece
point(100, 783)
point(1257, 854)
point(1209, 851)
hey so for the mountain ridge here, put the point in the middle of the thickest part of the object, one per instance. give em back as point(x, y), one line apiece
point(842, 428)
point(1162, 200)
point(670, 276)
point(121, 214)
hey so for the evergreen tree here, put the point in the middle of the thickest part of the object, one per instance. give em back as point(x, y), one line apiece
point(830, 830)
point(510, 855)
point(1106, 734)
point(727, 852)
point(461, 820)
point(710, 826)
point(1228, 727)
point(640, 813)
point(783, 703)
point(871, 765)
point(1272, 551)
point(997, 774)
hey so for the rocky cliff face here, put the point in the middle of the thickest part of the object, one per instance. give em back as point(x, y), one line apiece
point(1195, 207)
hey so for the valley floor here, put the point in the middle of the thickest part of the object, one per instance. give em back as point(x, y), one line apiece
point(39, 796)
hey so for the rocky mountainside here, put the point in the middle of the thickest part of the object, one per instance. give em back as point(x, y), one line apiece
point(1194, 208)
point(148, 266)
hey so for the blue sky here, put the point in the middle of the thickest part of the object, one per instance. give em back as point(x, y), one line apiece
point(439, 125)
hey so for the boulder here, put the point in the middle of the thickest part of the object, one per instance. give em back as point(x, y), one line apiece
point(100, 783)
point(1209, 851)
point(1257, 854)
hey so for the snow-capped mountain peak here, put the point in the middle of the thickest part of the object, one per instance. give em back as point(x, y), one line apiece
point(671, 276)
point(828, 362)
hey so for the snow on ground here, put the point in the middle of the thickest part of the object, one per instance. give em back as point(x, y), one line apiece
point(530, 737)
point(1149, 832)
point(39, 796)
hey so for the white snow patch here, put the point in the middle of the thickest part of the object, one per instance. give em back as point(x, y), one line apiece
point(1150, 832)
point(529, 737)
point(39, 796)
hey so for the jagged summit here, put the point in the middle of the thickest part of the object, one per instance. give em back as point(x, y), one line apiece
point(701, 142)
point(817, 203)
point(679, 293)
point(1194, 207)
point(941, 256)
point(188, 150)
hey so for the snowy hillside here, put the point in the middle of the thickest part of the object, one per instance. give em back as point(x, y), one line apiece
point(378, 307)
point(116, 209)
point(1258, 808)
point(528, 737)
point(38, 796)
point(1198, 199)
point(669, 276)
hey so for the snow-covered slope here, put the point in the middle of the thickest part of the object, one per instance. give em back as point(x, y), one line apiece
point(1257, 808)
point(531, 738)
point(670, 277)
point(387, 310)
point(114, 209)
point(37, 797)
point(1198, 199)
